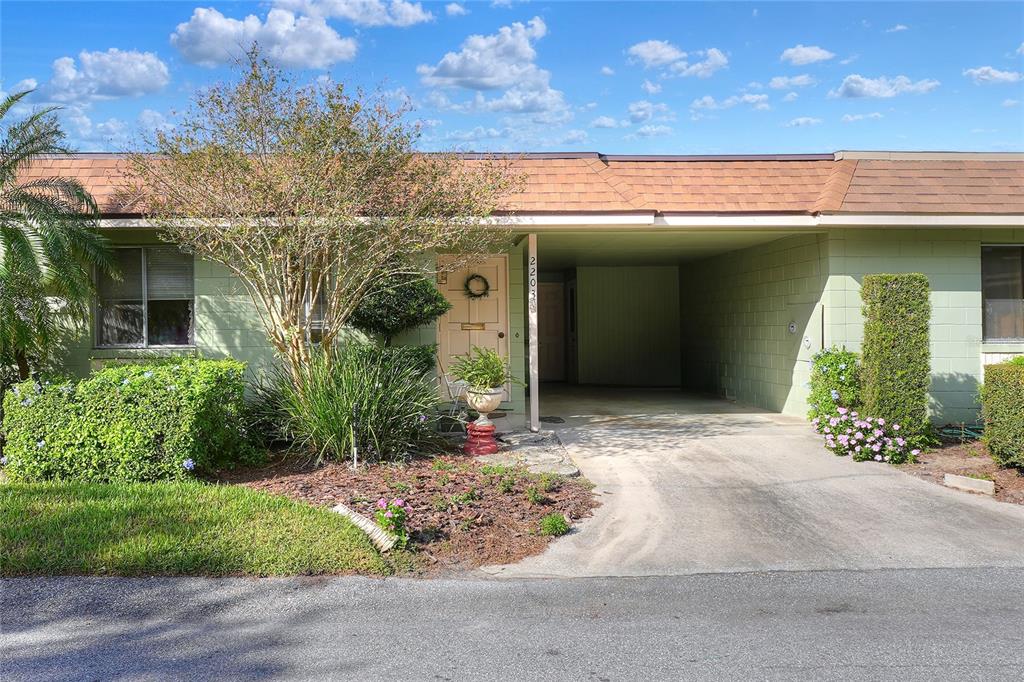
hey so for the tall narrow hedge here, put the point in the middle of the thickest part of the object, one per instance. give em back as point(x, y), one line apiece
point(127, 423)
point(895, 356)
point(1002, 404)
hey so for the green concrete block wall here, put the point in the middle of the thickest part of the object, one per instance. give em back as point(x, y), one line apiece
point(628, 333)
point(735, 313)
point(951, 259)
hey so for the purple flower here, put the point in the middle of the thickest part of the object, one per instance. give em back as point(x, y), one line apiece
point(895, 427)
point(876, 447)
point(842, 410)
point(901, 442)
point(3, 461)
point(388, 514)
point(382, 503)
point(423, 417)
point(835, 394)
point(878, 458)
point(881, 422)
point(858, 435)
point(399, 502)
point(915, 452)
point(188, 464)
point(857, 449)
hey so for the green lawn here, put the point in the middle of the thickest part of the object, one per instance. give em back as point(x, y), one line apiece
point(173, 529)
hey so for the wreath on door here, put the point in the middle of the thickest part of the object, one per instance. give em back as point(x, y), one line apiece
point(476, 286)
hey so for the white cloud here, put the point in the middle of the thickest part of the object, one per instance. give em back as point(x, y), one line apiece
point(856, 85)
point(153, 121)
point(850, 118)
point(1020, 50)
point(713, 60)
point(104, 75)
point(663, 54)
point(897, 28)
point(849, 60)
point(790, 97)
point(653, 131)
point(454, 9)
point(643, 110)
point(803, 122)
point(476, 134)
point(709, 103)
point(574, 137)
point(650, 88)
point(656, 53)
point(503, 60)
point(209, 38)
point(607, 71)
point(1010, 102)
point(805, 54)
point(362, 12)
point(988, 75)
point(607, 122)
point(789, 82)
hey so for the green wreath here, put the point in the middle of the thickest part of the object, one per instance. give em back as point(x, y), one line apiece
point(467, 286)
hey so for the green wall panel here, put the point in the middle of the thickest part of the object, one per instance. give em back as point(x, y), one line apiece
point(628, 325)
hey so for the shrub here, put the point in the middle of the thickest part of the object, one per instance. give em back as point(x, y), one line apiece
point(1002, 404)
point(835, 382)
point(554, 524)
point(865, 438)
point(128, 423)
point(397, 303)
point(364, 399)
point(392, 517)
point(895, 357)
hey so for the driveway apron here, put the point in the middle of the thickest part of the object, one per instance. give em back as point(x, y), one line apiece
point(695, 485)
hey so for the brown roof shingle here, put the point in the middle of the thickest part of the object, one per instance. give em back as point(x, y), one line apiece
point(590, 183)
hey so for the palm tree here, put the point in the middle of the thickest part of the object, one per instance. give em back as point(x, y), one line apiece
point(49, 243)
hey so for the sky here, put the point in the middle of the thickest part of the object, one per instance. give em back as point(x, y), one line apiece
point(510, 75)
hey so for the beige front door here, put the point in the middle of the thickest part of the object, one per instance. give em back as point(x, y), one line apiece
point(479, 321)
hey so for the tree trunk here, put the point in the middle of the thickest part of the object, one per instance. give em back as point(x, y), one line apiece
point(24, 371)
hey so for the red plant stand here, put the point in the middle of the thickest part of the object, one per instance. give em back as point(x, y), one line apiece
point(480, 440)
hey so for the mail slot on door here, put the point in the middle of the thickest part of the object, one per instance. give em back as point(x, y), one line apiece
point(473, 327)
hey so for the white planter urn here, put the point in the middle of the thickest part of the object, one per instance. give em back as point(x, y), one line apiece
point(484, 401)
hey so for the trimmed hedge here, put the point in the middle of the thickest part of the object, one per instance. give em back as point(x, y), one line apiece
point(895, 355)
point(835, 382)
point(398, 303)
point(1002, 404)
point(127, 423)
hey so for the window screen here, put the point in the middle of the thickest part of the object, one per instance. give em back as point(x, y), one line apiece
point(1002, 282)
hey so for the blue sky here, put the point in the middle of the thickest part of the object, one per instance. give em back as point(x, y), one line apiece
point(615, 77)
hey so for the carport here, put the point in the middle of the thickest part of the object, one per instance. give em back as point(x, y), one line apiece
point(720, 310)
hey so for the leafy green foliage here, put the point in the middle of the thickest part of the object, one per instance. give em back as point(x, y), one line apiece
point(397, 303)
point(482, 369)
point(392, 516)
point(554, 524)
point(173, 528)
point(895, 356)
point(355, 396)
point(48, 244)
point(126, 423)
point(1002, 404)
point(835, 382)
point(534, 496)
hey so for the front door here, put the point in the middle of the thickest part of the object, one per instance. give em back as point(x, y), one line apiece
point(480, 321)
point(551, 331)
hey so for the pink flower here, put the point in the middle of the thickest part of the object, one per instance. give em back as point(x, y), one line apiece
point(388, 514)
point(400, 502)
point(382, 503)
point(895, 427)
point(881, 422)
point(842, 410)
point(915, 452)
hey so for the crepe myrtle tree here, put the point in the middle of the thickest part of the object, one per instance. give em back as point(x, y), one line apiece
point(310, 193)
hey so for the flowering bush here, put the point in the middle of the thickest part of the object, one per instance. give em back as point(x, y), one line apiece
point(392, 516)
point(864, 438)
point(835, 381)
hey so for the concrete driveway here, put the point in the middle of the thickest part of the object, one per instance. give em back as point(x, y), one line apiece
point(693, 485)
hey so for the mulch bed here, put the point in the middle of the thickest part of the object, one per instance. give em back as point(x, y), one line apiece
point(463, 514)
point(968, 459)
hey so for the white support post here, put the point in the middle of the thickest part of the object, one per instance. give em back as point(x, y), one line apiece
point(531, 311)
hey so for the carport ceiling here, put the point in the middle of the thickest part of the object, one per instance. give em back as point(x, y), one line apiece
point(569, 249)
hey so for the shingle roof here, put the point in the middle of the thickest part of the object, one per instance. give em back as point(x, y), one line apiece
point(846, 182)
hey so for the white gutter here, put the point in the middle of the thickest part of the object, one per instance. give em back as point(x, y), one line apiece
point(583, 221)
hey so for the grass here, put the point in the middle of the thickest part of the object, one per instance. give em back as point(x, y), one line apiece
point(173, 529)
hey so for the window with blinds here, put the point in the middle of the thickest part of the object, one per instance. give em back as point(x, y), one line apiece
point(152, 304)
point(1002, 285)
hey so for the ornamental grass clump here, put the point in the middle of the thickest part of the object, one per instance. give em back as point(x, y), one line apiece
point(355, 400)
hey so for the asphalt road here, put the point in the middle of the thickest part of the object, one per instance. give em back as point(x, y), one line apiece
point(888, 624)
